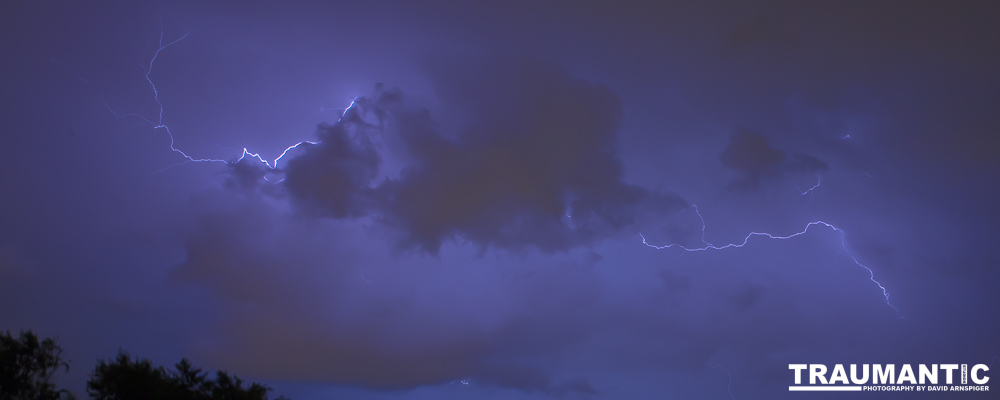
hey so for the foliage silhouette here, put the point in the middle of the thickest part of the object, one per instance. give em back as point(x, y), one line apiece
point(126, 379)
point(27, 366)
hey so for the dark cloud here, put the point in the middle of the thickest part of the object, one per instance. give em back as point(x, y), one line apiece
point(245, 174)
point(533, 162)
point(751, 154)
point(333, 176)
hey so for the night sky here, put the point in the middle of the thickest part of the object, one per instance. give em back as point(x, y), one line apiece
point(473, 225)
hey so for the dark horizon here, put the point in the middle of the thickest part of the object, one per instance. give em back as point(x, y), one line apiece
point(517, 200)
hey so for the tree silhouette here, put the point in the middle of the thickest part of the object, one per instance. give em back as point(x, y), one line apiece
point(123, 378)
point(188, 378)
point(127, 379)
point(27, 366)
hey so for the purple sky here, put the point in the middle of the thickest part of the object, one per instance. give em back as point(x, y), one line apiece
point(477, 217)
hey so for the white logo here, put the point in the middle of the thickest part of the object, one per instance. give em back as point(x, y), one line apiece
point(890, 377)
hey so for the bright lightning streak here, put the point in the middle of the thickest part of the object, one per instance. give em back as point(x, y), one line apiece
point(746, 240)
point(273, 165)
point(158, 124)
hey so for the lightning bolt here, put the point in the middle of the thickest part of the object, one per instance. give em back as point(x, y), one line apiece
point(819, 180)
point(158, 124)
point(843, 242)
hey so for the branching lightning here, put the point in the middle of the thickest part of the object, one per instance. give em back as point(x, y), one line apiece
point(159, 124)
point(746, 240)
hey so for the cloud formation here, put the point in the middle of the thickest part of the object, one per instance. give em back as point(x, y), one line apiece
point(533, 162)
point(751, 154)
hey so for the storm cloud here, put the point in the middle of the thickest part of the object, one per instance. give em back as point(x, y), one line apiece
point(532, 162)
point(751, 154)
